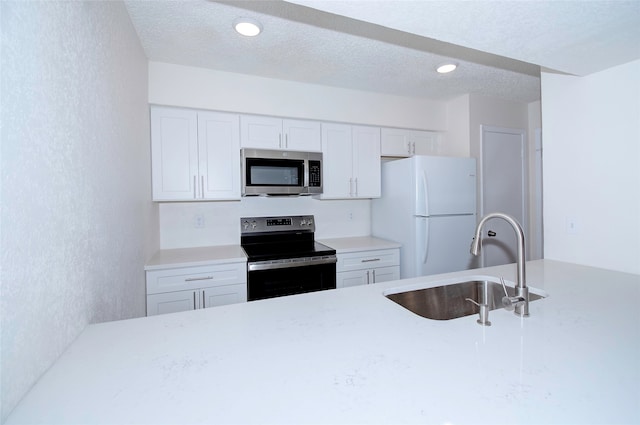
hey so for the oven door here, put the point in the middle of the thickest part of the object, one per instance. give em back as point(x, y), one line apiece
point(269, 279)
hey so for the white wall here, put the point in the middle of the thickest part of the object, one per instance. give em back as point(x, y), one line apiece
point(591, 129)
point(465, 116)
point(206, 89)
point(458, 126)
point(334, 219)
point(496, 113)
point(535, 174)
point(77, 221)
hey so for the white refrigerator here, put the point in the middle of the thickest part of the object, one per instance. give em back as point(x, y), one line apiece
point(428, 205)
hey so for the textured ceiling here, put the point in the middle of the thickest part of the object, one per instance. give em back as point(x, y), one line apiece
point(393, 47)
point(576, 37)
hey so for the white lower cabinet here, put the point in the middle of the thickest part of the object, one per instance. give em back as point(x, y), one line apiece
point(366, 267)
point(192, 288)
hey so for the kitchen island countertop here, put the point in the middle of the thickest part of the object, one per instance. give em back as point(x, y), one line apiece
point(353, 356)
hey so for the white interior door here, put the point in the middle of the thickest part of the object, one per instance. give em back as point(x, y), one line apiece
point(502, 177)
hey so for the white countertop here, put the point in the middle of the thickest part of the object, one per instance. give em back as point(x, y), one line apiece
point(193, 257)
point(360, 243)
point(353, 356)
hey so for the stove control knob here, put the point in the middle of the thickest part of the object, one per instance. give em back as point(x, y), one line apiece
point(254, 224)
point(303, 222)
point(310, 222)
point(245, 225)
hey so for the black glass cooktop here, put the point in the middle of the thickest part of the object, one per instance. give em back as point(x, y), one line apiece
point(277, 251)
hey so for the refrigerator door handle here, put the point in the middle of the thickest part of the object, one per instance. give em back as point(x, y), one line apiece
point(426, 241)
point(422, 195)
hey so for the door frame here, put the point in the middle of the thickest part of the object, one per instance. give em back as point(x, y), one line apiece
point(524, 162)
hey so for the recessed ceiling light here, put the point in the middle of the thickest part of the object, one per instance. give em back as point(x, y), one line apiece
point(247, 26)
point(446, 67)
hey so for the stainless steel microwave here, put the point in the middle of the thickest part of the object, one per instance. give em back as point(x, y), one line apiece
point(274, 172)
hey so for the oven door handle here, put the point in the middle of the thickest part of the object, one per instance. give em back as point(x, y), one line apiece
point(296, 262)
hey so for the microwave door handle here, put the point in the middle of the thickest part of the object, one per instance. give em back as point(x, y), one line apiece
point(305, 166)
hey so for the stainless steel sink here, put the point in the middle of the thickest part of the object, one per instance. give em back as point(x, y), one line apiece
point(450, 301)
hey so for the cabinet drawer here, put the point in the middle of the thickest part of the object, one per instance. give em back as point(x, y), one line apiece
point(168, 280)
point(368, 259)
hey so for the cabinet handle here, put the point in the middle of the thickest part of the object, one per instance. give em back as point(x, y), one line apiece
point(286, 141)
point(369, 260)
point(191, 279)
point(368, 277)
point(351, 187)
point(202, 186)
point(374, 276)
point(194, 187)
point(413, 146)
point(203, 299)
point(280, 140)
point(356, 186)
point(194, 301)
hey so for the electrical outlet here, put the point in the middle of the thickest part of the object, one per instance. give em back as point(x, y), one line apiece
point(198, 221)
point(573, 227)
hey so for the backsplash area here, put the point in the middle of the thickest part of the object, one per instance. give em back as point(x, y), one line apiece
point(192, 224)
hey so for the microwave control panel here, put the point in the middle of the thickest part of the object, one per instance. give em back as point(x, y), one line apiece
point(315, 170)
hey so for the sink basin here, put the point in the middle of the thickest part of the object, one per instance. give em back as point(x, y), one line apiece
point(449, 300)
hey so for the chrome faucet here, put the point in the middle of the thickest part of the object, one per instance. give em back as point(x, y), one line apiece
point(521, 300)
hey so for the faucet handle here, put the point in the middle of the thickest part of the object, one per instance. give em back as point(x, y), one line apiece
point(509, 303)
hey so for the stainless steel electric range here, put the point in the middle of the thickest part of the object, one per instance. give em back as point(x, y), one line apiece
point(283, 257)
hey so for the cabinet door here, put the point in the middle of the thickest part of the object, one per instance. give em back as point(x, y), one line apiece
point(399, 142)
point(366, 158)
point(261, 132)
point(302, 135)
point(425, 142)
point(223, 295)
point(395, 142)
point(172, 302)
point(174, 154)
point(219, 155)
point(386, 274)
point(352, 278)
point(337, 157)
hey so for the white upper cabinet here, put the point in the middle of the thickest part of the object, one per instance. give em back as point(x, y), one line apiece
point(219, 155)
point(194, 155)
point(400, 142)
point(277, 133)
point(351, 161)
